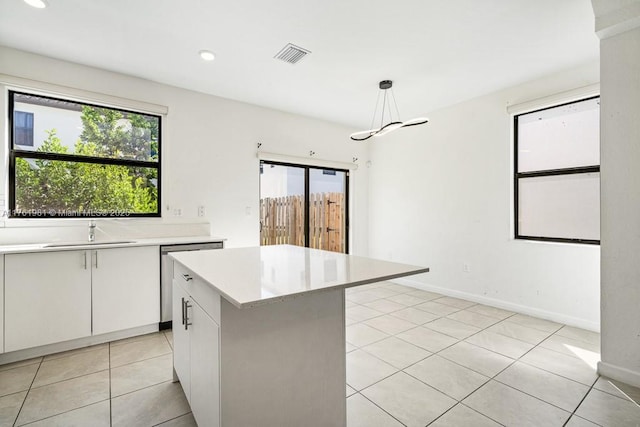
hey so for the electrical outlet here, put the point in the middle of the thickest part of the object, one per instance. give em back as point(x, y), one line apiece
point(201, 211)
point(466, 268)
point(247, 210)
point(177, 212)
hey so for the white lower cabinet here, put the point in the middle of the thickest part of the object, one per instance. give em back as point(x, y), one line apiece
point(126, 288)
point(1, 303)
point(47, 298)
point(196, 342)
point(57, 296)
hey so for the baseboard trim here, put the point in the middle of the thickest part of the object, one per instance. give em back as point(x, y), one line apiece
point(523, 309)
point(30, 353)
point(618, 373)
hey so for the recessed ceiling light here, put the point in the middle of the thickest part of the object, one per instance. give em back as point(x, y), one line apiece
point(207, 55)
point(38, 4)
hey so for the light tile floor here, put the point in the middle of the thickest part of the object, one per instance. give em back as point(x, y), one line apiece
point(123, 383)
point(417, 358)
point(414, 358)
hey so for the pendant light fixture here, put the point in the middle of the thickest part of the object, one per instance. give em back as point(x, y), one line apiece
point(394, 122)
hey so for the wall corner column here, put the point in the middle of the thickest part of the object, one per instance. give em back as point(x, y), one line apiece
point(618, 26)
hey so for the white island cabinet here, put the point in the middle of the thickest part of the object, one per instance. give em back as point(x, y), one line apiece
point(259, 333)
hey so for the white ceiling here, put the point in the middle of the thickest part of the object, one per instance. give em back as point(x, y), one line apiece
point(437, 52)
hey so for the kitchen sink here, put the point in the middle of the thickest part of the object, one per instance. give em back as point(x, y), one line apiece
point(70, 244)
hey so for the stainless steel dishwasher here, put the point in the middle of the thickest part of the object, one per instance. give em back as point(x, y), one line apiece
point(166, 275)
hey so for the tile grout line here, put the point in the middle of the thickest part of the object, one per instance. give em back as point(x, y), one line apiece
point(61, 413)
point(550, 333)
point(28, 391)
point(537, 398)
point(468, 407)
point(432, 353)
point(580, 403)
point(143, 388)
point(68, 379)
point(626, 398)
point(378, 406)
point(138, 361)
point(466, 367)
point(489, 378)
point(464, 339)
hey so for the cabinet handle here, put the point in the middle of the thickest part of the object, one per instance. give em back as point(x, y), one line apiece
point(96, 254)
point(187, 306)
point(183, 311)
point(85, 260)
point(186, 277)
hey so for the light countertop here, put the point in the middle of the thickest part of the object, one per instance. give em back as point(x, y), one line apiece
point(121, 243)
point(258, 275)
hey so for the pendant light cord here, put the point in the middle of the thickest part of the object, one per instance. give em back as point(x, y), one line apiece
point(384, 104)
point(393, 95)
point(375, 112)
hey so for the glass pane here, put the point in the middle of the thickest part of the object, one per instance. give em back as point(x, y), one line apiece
point(560, 137)
point(281, 205)
point(58, 188)
point(563, 206)
point(67, 127)
point(327, 210)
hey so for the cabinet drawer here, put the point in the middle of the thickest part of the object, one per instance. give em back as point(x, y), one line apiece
point(199, 290)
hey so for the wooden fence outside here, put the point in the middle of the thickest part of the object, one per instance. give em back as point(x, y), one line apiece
point(282, 220)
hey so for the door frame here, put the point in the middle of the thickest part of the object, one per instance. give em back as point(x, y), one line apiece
point(306, 168)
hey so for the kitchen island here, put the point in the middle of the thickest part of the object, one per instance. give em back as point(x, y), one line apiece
point(259, 333)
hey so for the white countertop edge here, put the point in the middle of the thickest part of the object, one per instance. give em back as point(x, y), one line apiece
point(151, 241)
point(313, 291)
point(265, 301)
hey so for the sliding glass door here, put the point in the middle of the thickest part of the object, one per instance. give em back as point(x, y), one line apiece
point(327, 209)
point(304, 206)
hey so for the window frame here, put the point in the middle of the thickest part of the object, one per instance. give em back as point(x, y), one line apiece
point(546, 172)
point(14, 153)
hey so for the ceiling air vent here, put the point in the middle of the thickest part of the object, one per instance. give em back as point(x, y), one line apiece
point(292, 54)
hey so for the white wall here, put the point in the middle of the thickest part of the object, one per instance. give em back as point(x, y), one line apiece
point(209, 146)
point(620, 185)
point(441, 196)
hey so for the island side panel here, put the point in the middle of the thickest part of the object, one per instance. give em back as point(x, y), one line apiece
point(283, 364)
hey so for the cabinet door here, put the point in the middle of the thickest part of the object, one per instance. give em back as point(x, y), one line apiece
point(1, 303)
point(126, 288)
point(181, 346)
point(47, 298)
point(205, 367)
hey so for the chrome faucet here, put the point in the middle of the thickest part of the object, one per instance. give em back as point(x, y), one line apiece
point(92, 231)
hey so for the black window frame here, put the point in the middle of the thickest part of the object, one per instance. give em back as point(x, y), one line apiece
point(48, 213)
point(545, 172)
point(27, 130)
point(306, 197)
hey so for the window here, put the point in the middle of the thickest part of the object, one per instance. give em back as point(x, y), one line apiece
point(84, 160)
point(557, 173)
point(23, 128)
